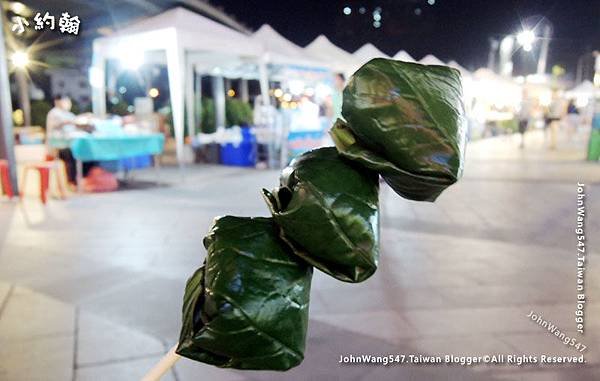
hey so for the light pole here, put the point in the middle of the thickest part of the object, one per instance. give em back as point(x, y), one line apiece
point(506, 51)
point(494, 43)
point(20, 60)
point(526, 38)
point(541, 66)
point(6, 126)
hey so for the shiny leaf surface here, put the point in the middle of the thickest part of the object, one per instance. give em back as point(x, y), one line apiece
point(327, 208)
point(247, 307)
point(407, 122)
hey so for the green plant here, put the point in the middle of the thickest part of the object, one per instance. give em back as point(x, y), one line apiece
point(39, 112)
point(509, 126)
point(207, 116)
point(237, 113)
point(119, 108)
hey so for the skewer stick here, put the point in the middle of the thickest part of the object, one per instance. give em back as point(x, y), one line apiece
point(162, 366)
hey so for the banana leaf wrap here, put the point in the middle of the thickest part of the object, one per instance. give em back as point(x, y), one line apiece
point(327, 208)
point(406, 121)
point(247, 307)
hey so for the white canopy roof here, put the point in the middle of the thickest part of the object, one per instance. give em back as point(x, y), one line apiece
point(430, 59)
point(367, 52)
point(402, 55)
point(280, 50)
point(326, 51)
point(584, 89)
point(457, 66)
point(194, 32)
point(185, 37)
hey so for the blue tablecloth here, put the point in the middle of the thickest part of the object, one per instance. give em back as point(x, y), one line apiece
point(103, 148)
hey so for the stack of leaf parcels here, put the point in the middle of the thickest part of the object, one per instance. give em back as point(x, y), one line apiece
point(247, 307)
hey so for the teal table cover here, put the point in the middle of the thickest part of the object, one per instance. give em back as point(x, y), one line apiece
point(101, 148)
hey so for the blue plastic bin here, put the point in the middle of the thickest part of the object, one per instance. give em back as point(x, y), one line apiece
point(242, 155)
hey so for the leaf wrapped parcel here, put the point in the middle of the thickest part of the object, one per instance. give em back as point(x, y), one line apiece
point(406, 121)
point(327, 208)
point(247, 307)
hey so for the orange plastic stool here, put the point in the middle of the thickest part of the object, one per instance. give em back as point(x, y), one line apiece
point(44, 169)
point(7, 187)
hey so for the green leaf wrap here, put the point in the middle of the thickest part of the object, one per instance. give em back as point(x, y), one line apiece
point(405, 121)
point(247, 307)
point(327, 208)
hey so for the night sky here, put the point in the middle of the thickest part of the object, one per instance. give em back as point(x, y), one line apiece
point(449, 29)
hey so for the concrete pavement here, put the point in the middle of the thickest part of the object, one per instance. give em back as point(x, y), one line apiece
point(91, 287)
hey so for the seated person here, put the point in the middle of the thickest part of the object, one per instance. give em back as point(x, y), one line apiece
point(61, 119)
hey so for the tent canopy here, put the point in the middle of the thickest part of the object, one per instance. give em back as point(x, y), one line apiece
point(455, 65)
point(181, 34)
point(193, 31)
point(325, 51)
point(585, 89)
point(367, 52)
point(430, 59)
point(402, 55)
point(279, 50)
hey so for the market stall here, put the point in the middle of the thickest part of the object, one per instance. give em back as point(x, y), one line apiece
point(188, 40)
point(301, 87)
point(493, 111)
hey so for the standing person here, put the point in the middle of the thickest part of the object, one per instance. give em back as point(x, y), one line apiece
point(524, 116)
point(572, 119)
point(555, 114)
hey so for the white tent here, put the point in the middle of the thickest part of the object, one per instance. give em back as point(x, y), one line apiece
point(186, 37)
point(367, 52)
point(402, 55)
point(279, 50)
point(333, 56)
point(457, 66)
point(430, 59)
point(489, 87)
point(585, 89)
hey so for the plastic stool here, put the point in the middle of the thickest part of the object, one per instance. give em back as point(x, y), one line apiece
point(44, 169)
point(7, 187)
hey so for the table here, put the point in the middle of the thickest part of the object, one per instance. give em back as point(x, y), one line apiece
point(105, 148)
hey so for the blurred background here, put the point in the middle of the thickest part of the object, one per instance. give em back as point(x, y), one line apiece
point(126, 126)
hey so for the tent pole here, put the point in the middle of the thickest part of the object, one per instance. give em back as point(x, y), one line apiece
point(244, 90)
point(6, 127)
point(218, 88)
point(264, 82)
point(198, 98)
point(98, 70)
point(189, 97)
point(176, 67)
point(266, 101)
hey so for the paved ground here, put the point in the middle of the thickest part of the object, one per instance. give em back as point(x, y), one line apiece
point(91, 287)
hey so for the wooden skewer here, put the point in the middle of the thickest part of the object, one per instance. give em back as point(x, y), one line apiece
point(162, 366)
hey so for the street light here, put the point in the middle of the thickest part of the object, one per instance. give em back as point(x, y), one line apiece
point(526, 38)
point(20, 59)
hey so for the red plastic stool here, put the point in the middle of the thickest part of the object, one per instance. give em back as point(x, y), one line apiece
point(7, 187)
point(44, 169)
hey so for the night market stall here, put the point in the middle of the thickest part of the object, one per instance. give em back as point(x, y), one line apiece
point(186, 40)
